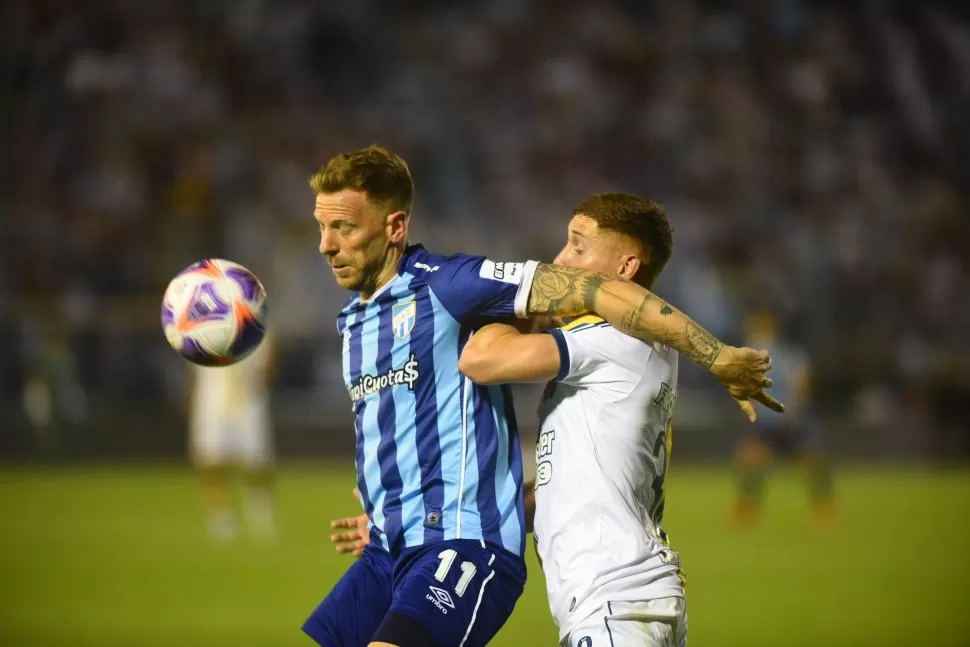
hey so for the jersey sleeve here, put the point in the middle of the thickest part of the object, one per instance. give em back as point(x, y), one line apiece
point(476, 287)
point(592, 352)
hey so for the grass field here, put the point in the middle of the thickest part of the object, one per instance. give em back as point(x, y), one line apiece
point(116, 556)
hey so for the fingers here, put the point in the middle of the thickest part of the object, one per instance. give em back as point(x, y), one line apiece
point(769, 401)
point(345, 536)
point(349, 522)
point(356, 548)
point(748, 409)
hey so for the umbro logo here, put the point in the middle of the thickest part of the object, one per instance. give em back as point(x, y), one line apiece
point(440, 598)
point(443, 596)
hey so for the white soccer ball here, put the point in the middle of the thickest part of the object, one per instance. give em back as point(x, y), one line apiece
point(214, 312)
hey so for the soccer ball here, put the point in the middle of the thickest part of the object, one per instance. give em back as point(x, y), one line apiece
point(214, 312)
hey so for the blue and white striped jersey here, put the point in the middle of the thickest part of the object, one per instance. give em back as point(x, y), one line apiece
point(438, 456)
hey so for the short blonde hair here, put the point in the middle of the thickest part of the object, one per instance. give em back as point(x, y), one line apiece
point(381, 175)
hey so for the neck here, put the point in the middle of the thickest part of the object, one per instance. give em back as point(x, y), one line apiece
point(386, 273)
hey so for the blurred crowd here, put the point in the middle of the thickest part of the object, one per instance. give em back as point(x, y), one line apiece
point(814, 159)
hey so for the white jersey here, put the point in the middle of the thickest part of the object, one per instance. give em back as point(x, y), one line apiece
point(601, 463)
point(230, 411)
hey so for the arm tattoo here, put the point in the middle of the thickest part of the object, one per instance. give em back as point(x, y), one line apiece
point(564, 291)
point(559, 290)
point(705, 346)
point(696, 343)
point(631, 320)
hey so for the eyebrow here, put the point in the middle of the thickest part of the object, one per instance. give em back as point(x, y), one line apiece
point(576, 232)
point(334, 223)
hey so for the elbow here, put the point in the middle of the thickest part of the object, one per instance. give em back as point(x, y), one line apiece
point(476, 366)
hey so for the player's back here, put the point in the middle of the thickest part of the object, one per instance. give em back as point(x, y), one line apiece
point(601, 464)
point(437, 455)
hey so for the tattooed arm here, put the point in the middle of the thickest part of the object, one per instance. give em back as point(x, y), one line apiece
point(563, 291)
point(559, 290)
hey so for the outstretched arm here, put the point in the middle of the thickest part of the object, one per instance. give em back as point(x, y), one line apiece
point(563, 291)
point(630, 308)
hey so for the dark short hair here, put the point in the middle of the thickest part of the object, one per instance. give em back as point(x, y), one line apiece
point(383, 176)
point(640, 219)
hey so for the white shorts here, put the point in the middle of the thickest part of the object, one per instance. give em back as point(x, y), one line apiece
point(243, 439)
point(647, 623)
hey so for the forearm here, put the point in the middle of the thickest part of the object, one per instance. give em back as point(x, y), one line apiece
point(499, 353)
point(630, 308)
point(638, 312)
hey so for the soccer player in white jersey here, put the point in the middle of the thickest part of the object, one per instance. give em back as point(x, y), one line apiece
point(604, 441)
point(230, 430)
point(610, 574)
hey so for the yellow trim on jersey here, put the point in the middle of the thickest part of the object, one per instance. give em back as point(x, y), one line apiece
point(669, 441)
point(582, 320)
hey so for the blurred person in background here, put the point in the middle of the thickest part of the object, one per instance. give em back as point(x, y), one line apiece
point(792, 435)
point(230, 431)
point(53, 399)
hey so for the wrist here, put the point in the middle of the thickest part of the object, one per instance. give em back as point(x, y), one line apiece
point(721, 361)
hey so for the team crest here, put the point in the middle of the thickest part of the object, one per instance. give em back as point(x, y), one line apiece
point(403, 316)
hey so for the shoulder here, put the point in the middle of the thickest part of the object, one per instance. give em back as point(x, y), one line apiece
point(419, 261)
point(584, 322)
point(595, 334)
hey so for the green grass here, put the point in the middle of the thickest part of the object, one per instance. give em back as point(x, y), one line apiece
point(113, 556)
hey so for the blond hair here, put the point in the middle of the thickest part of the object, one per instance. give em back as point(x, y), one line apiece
point(381, 175)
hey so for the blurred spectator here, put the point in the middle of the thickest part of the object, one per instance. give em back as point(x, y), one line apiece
point(813, 156)
point(53, 400)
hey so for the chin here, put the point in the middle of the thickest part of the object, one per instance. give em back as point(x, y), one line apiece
point(348, 283)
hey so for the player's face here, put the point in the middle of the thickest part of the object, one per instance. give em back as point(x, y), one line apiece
point(353, 237)
point(598, 251)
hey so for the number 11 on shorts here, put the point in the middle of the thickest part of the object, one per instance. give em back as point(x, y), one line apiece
point(447, 559)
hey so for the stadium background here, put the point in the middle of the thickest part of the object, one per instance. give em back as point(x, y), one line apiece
point(814, 159)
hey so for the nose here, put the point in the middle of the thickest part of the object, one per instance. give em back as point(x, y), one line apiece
point(560, 257)
point(328, 243)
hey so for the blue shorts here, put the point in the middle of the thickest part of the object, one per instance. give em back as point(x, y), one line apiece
point(459, 590)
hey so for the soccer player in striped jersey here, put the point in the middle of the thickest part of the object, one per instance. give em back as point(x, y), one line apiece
point(438, 464)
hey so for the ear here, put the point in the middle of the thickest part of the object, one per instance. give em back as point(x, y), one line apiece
point(629, 266)
point(397, 226)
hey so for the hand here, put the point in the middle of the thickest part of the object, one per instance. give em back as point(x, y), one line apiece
point(742, 371)
point(356, 538)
